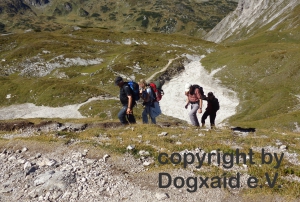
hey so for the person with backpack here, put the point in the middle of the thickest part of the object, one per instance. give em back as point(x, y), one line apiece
point(126, 97)
point(211, 110)
point(148, 97)
point(195, 100)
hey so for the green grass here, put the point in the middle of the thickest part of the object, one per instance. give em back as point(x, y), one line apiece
point(264, 71)
point(83, 82)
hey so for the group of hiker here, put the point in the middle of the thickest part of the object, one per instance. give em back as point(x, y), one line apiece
point(130, 92)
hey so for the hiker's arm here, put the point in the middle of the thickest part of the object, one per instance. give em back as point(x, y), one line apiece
point(129, 108)
point(200, 106)
point(200, 100)
point(187, 102)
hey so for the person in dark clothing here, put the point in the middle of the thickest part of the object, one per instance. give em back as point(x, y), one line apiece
point(126, 114)
point(211, 110)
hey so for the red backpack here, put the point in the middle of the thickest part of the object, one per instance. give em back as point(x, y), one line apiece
point(157, 93)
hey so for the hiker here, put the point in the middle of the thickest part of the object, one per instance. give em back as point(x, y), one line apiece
point(193, 98)
point(211, 110)
point(147, 95)
point(126, 114)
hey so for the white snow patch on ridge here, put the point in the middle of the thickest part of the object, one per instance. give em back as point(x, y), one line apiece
point(173, 102)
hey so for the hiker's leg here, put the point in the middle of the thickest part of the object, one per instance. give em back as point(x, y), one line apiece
point(131, 118)
point(122, 115)
point(212, 118)
point(153, 120)
point(145, 114)
point(204, 116)
point(193, 114)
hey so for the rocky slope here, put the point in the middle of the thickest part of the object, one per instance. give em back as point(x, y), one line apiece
point(251, 15)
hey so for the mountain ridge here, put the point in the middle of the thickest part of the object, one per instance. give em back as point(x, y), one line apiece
point(250, 17)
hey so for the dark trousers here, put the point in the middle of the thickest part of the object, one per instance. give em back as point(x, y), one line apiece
point(212, 117)
point(126, 118)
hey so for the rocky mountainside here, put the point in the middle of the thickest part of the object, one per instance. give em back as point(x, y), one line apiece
point(188, 17)
point(252, 15)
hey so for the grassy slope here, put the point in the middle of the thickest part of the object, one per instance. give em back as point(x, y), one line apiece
point(150, 51)
point(186, 17)
point(264, 70)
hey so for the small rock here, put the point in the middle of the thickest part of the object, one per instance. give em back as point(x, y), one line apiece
point(42, 178)
point(46, 162)
point(33, 194)
point(147, 163)
point(12, 158)
point(83, 179)
point(56, 195)
point(130, 147)
point(144, 153)
point(163, 134)
point(24, 149)
point(2, 156)
point(85, 152)
point(38, 155)
point(27, 165)
point(90, 161)
point(75, 195)
point(161, 196)
point(283, 147)
point(213, 152)
point(6, 190)
point(106, 156)
point(201, 135)
point(178, 143)
point(21, 161)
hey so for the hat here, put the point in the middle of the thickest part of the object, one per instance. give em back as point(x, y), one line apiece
point(187, 87)
point(118, 80)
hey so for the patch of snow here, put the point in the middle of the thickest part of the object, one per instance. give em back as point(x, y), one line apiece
point(8, 96)
point(173, 102)
point(29, 110)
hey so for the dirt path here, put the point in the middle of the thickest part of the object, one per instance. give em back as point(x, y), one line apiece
point(162, 70)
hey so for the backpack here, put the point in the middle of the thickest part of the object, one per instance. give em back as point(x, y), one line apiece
point(157, 92)
point(216, 104)
point(203, 97)
point(135, 90)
